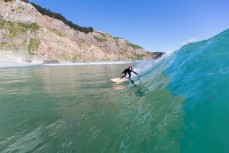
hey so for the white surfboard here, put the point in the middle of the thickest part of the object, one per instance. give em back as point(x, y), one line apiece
point(119, 80)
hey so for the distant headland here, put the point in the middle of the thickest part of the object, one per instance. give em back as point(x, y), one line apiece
point(35, 33)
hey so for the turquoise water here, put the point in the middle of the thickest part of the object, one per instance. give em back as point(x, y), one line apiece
point(199, 72)
point(179, 105)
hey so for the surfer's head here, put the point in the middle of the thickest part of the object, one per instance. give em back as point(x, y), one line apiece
point(130, 68)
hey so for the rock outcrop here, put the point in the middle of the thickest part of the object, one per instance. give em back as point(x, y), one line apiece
point(26, 32)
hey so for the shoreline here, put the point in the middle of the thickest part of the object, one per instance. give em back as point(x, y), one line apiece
point(87, 63)
point(39, 63)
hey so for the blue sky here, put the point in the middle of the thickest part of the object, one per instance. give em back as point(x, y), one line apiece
point(156, 25)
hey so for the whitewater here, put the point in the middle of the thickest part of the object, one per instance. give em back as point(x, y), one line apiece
point(179, 105)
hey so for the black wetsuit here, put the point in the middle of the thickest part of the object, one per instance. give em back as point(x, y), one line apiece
point(129, 73)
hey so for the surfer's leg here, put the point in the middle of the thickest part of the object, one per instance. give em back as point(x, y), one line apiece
point(129, 74)
point(124, 75)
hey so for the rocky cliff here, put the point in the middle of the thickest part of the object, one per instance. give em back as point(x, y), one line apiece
point(26, 32)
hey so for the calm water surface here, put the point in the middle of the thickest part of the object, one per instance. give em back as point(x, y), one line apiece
point(78, 109)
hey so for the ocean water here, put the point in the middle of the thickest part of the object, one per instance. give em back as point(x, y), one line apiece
point(179, 105)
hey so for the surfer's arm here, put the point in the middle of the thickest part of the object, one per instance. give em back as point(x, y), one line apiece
point(136, 73)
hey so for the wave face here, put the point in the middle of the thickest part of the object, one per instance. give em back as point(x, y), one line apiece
point(199, 72)
point(194, 82)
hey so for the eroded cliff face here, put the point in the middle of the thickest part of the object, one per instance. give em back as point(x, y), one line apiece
point(26, 32)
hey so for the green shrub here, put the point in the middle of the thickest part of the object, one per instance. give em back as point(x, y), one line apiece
point(134, 46)
point(33, 45)
point(17, 27)
point(139, 57)
point(99, 39)
point(34, 27)
point(59, 33)
point(116, 38)
point(58, 16)
point(103, 34)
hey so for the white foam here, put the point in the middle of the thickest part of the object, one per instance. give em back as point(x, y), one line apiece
point(191, 40)
point(89, 63)
point(144, 66)
point(9, 60)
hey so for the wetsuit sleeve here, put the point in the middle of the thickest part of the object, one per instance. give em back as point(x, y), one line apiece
point(135, 73)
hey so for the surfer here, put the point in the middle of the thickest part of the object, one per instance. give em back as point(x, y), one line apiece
point(128, 70)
